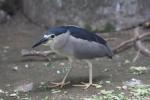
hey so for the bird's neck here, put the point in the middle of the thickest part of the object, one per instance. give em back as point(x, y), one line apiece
point(60, 41)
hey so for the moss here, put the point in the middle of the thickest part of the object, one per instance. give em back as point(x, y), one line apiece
point(108, 28)
point(88, 26)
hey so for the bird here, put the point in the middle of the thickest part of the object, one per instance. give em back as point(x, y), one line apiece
point(75, 43)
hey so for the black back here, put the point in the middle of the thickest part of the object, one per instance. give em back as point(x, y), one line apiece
point(78, 33)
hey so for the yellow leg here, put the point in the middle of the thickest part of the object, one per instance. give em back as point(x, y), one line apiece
point(87, 85)
point(63, 83)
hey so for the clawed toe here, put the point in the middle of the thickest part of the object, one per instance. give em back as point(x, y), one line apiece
point(86, 85)
point(59, 84)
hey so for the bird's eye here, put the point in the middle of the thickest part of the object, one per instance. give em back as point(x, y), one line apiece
point(52, 36)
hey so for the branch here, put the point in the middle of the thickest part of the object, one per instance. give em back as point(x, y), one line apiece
point(25, 52)
point(137, 56)
point(123, 46)
point(131, 42)
point(138, 44)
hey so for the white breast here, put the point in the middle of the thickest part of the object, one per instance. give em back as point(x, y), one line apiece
point(60, 44)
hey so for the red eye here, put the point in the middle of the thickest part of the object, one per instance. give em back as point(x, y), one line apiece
point(52, 36)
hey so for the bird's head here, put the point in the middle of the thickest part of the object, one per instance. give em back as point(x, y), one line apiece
point(49, 36)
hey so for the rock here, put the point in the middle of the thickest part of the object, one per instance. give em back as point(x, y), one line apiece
point(132, 82)
point(124, 87)
point(13, 95)
point(62, 64)
point(58, 72)
point(96, 14)
point(15, 68)
point(1, 91)
point(26, 66)
point(6, 47)
point(25, 87)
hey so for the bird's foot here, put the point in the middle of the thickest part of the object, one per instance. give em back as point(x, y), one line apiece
point(59, 84)
point(86, 85)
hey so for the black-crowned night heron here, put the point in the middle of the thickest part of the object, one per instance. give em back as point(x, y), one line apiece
point(74, 42)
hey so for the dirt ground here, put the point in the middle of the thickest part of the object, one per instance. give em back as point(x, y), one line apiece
point(19, 34)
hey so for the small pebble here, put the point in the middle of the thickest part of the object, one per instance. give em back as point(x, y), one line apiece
point(62, 64)
point(124, 87)
point(58, 72)
point(46, 64)
point(7, 85)
point(6, 47)
point(118, 87)
point(127, 61)
point(13, 95)
point(108, 82)
point(42, 83)
point(65, 92)
point(26, 66)
point(15, 68)
point(25, 87)
point(106, 70)
point(55, 91)
point(133, 82)
point(98, 86)
point(1, 91)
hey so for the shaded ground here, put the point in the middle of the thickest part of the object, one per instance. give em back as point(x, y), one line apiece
point(19, 34)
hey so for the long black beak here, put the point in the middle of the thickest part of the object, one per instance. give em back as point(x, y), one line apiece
point(41, 41)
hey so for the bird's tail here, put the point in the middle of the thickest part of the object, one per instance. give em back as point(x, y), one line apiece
point(109, 52)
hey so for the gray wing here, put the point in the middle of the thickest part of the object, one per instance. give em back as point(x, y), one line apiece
point(84, 34)
point(83, 49)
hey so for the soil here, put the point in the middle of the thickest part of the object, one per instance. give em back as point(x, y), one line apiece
point(19, 33)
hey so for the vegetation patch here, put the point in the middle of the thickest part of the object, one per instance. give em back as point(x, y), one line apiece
point(138, 70)
point(137, 92)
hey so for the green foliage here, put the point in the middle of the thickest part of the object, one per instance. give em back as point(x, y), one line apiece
point(140, 91)
point(88, 26)
point(138, 70)
point(136, 92)
point(111, 95)
point(108, 28)
point(46, 98)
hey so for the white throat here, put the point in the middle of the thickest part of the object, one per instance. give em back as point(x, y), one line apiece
point(58, 42)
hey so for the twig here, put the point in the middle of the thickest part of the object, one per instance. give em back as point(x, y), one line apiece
point(143, 49)
point(25, 52)
point(123, 46)
point(136, 57)
point(131, 42)
point(110, 39)
point(138, 44)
